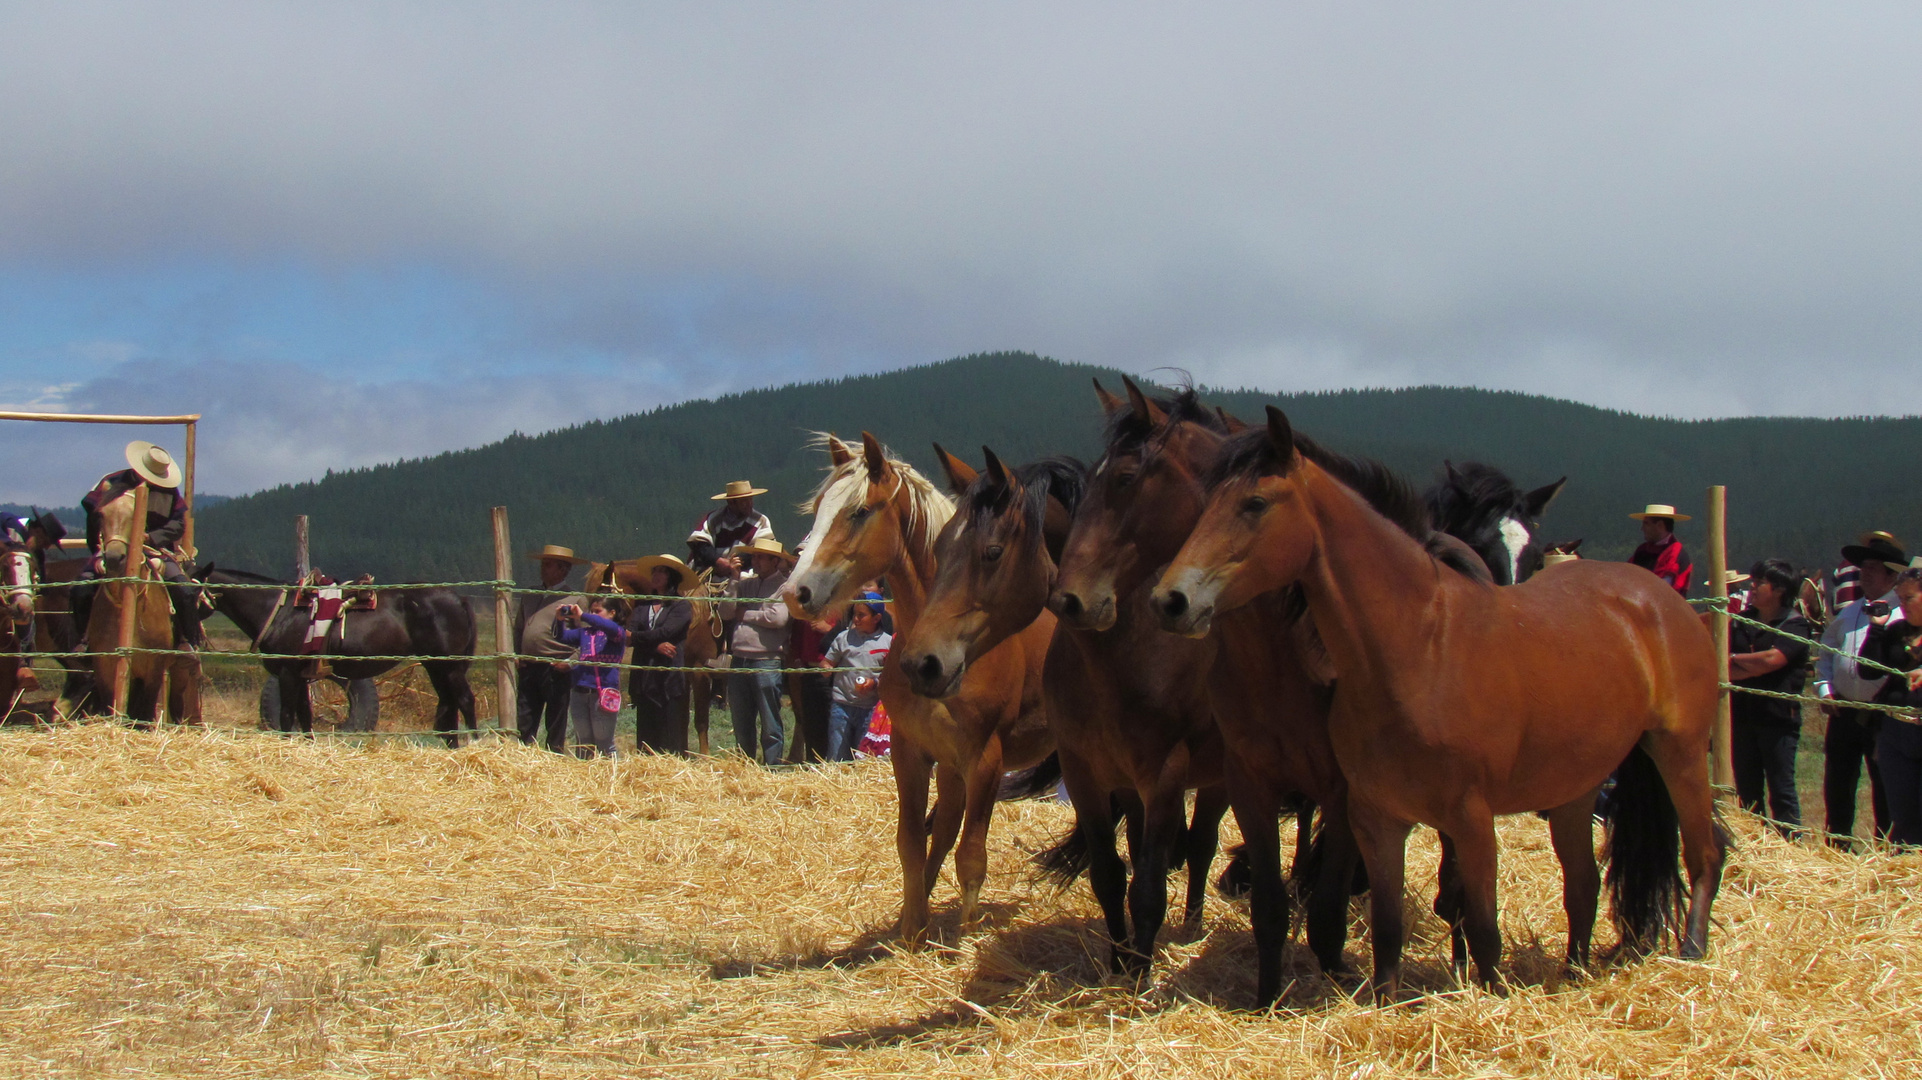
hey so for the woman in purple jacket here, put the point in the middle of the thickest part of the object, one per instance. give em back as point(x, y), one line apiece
point(599, 641)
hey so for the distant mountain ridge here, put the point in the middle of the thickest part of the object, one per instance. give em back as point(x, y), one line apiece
point(635, 485)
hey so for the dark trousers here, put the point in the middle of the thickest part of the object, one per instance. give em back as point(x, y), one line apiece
point(543, 699)
point(661, 727)
point(1898, 751)
point(1763, 753)
point(812, 694)
point(1848, 746)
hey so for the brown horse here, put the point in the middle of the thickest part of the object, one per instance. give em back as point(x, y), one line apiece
point(1457, 701)
point(876, 517)
point(1128, 707)
point(1145, 495)
point(703, 642)
point(16, 616)
point(148, 672)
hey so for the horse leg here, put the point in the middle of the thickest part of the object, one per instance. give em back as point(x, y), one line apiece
point(1684, 770)
point(950, 803)
point(1107, 874)
point(700, 691)
point(1162, 822)
point(1476, 853)
point(446, 719)
point(971, 857)
point(1450, 903)
point(1204, 838)
point(1571, 827)
point(912, 770)
point(1258, 813)
point(1333, 883)
point(1383, 842)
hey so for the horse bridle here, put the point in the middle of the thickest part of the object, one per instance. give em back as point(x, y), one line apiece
point(21, 581)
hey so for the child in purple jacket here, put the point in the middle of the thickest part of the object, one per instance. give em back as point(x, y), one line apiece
point(599, 641)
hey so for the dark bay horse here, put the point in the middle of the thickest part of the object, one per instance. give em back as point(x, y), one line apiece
point(1128, 706)
point(876, 517)
point(409, 621)
point(1457, 701)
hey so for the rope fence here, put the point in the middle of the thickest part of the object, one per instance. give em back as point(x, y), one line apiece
point(1900, 712)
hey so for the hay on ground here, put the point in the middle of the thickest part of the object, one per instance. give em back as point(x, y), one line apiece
point(206, 903)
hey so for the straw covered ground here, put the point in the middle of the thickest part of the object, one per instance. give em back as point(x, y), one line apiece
point(207, 903)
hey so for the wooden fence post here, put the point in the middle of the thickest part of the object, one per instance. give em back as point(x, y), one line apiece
point(187, 534)
point(1721, 771)
point(301, 566)
point(504, 688)
point(132, 566)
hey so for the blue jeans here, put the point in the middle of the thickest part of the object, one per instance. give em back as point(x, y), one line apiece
point(847, 726)
point(756, 696)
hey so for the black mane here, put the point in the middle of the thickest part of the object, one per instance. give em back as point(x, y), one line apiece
point(1251, 454)
point(1473, 497)
point(1062, 478)
point(1127, 431)
point(247, 577)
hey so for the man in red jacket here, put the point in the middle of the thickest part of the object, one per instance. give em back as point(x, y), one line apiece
point(1661, 552)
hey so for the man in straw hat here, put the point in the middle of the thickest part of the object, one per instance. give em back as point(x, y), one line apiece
point(1849, 744)
point(543, 682)
point(166, 524)
point(1661, 552)
point(735, 523)
point(657, 628)
point(758, 642)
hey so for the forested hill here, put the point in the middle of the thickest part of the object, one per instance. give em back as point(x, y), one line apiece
point(635, 485)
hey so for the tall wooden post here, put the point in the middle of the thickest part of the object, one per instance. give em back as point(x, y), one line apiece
point(133, 565)
point(302, 567)
point(1721, 771)
point(504, 642)
point(187, 489)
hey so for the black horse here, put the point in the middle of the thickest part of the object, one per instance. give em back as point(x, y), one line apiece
point(425, 621)
point(1479, 505)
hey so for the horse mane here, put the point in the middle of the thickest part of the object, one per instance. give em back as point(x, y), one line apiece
point(1060, 477)
point(1251, 454)
point(845, 483)
point(1126, 431)
point(248, 577)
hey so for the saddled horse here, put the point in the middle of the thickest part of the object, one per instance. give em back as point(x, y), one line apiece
point(1457, 701)
point(703, 642)
point(875, 517)
point(152, 666)
point(418, 621)
point(1479, 505)
point(16, 621)
point(1128, 705)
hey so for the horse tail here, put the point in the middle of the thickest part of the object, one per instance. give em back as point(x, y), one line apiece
point(1069, 857)
point(1039, 782)
point(1237, 878)
point(1643, 850)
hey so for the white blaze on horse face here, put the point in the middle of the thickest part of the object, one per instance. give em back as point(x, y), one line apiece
point(19, 580)
point(1515, 538)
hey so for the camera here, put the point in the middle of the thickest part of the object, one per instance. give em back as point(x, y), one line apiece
point(1877, 608)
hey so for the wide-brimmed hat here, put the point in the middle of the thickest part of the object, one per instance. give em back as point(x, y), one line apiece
point(1877, 546)
point(644, 568)
point(557, 552)
point(1730, 577)
point(155, 466)
point(763, 545)
point(738, 489)
point(1661, 510)
point(1556, 558)
point(55, 529)
point(1898, 567)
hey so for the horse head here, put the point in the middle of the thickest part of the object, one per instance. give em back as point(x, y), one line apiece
point(872, 515)
point(1479, 505)
point(1144, 496)
point(17, 578)
point(993, 567)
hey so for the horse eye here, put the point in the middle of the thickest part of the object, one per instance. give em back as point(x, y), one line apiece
point(992, 553)
point(1255, 505)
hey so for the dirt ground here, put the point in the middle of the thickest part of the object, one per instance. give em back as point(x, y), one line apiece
point(210, 903)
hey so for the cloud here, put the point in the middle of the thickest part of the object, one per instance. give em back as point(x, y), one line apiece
point(1696, 211)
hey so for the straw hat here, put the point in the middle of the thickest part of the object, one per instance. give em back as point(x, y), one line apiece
point(1898, 567)
point(155, 466)
point(738, 489)
point(644, 568)
point(559, 553)
point(1661, 510)
point(1556, 558)
point(762, 545)
point(1731, 578)
point(1877, 546)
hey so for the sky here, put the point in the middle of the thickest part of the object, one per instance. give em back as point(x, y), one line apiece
point(350, 233)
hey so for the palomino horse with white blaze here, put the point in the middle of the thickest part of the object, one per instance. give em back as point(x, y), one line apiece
point(876, 517)
point(1457, 701)
point(16, 617)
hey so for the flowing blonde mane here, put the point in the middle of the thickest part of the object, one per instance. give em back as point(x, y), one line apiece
point(845, 484)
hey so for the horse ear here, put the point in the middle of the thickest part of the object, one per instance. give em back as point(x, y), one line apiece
point(1448, 469)
point(997, 472)
point(1235, 424)
point(960, 473)
point(838, 452)
point(877, 459)
point(1110, 404)
point(1145, 411)
point(1281, 434)
point(1537, 501)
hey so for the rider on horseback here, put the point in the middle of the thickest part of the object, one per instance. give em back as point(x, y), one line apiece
point(165, 525)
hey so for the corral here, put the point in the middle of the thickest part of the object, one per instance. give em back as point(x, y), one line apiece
point(207, 903)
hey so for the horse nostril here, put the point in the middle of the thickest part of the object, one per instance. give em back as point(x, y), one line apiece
point(930, 670)
point(1070, 606)
point(804, 594)
point(1174, 604)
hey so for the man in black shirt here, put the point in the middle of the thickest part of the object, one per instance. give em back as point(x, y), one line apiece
point(1766, 730)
